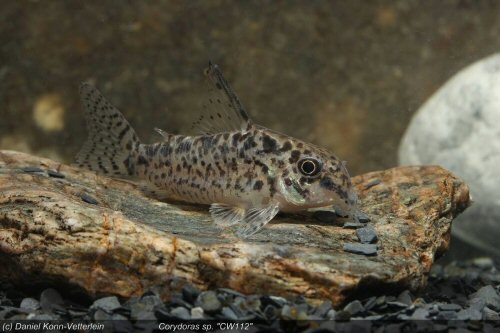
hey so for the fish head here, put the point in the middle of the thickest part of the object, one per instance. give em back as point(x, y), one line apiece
point(315, 178)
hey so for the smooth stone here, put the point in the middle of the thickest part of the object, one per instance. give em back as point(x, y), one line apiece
point(370, 303)
point(286, 312)
point(459, 128)
point(353, 225)
point(231, 292)
point(55, 174)
point(331, 314)
point(325, 216)
point(117, 316)
point(366, 249)
point(49, 298)
point(181, 313)
point(271, 312)
point(446, 315)
point(405, 297)
point(489, 314)
point(100, 315)
point(420, 314)
point(197, 313)
point(323, 309)
point(342, 315)
point(274, 300)
point(108, 304)
point(483, 263)
point(228, 313)
point(398, 305)
point(88, 199)
point(371, 183)
point(150, 300)
point(470, 314)
point(178, 301)
point(44, 317)
point(366, 235)
point(354, 308)
point(208, 301)
point(30, 304)
point(362, 217)
point(449, 307)
point(488, 295)
point(252, 303)
point(190, 293)
point(31, 169)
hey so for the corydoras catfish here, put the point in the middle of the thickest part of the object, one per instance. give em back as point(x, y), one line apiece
point(245, 172)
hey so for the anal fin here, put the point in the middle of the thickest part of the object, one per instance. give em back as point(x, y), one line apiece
point(226, 216)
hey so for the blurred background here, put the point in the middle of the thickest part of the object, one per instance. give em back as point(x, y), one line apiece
point(346, 75)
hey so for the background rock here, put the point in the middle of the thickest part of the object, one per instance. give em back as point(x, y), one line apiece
point(127, 243)
point(459, 128)
point(346, 75)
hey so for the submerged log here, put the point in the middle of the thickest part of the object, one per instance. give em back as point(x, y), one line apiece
point(104, 236)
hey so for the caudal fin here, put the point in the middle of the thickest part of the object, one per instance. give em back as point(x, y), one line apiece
point(111, 143)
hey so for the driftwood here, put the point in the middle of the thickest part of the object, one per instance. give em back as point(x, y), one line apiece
point(104, 236)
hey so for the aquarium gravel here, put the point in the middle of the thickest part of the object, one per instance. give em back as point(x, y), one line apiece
point(462, 295)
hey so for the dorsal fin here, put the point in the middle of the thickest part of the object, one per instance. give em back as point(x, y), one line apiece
point(164, 134)
point(223, 111)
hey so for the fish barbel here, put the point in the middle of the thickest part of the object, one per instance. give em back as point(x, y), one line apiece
point(245, 172)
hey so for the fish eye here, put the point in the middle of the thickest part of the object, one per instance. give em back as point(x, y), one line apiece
point(309, 167)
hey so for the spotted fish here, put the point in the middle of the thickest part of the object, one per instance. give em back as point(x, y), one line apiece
point(245, 172)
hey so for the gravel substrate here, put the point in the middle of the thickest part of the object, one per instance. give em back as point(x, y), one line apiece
point(460, 297)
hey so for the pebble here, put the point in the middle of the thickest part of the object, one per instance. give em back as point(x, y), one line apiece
point(448, 298)
point(55, 174)
point(341, 213)
point(31, 169)
point(372, 183)
point(353, 225)
point(405, 297)
point(446, 315)
point(354, 308)
point(101, 315)
point(30, 304)
point(487, 295)
point(366, 249)
point(366, 235)
point(362, 217)
point(181, 313)
point(420, 314)
point(449, 307)
point(323, 309)
point(178, 301)
point(397, 305)
point(483, 262)
point(49, 298)
point(190, 293)
point(88, 199)
point(489, 314)
point(197, 313)
point(273, 300)
point(342, 315)
point(229, 313)
point(107, 304)
point(325, 216)
point(208, 301)
point(271, 312)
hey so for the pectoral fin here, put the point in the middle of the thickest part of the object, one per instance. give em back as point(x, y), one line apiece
point(249, 221)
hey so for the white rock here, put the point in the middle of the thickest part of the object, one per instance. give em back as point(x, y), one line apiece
point(459, 128)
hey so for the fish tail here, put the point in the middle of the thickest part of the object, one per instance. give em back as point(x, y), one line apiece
point(112, 143)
